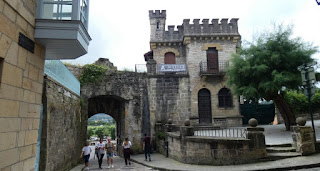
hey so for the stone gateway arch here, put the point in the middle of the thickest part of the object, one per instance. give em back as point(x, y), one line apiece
point(124, 96)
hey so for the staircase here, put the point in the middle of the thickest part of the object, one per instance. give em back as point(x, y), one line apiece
point(281, 151)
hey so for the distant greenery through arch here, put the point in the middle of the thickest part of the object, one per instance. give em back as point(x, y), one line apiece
point(100, 126)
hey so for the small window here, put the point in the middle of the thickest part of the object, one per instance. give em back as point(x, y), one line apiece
point(169, 58)
point(225, 98)
point(158, 23)
point(1, 68)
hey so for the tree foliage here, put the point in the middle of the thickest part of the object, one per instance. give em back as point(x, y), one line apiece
point(268, 65)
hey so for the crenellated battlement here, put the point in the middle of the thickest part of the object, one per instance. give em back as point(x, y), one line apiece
point(215, 27)
point(157, 14)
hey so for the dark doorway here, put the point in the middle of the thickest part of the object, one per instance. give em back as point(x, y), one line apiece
point(212, 60)
point(204, 106)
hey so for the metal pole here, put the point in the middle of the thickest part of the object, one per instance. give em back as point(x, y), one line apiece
point(309, 99)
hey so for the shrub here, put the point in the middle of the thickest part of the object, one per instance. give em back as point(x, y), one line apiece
point(315, 101)
point(92, 73)
point(297, 101)
point(161, 135)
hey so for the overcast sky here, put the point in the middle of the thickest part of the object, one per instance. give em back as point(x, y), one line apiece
point(120, 29)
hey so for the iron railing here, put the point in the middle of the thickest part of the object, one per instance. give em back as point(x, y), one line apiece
point(220, 132)
point(57, 71)
point(212, 69)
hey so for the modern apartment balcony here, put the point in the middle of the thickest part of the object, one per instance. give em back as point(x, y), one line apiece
point(212, 69)
point(61, 27)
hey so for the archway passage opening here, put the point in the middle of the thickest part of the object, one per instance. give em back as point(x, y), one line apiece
point(104, 106)
point(101, 125)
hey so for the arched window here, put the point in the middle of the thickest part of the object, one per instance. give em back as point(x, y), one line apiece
point(225, 98)
point(169, 58)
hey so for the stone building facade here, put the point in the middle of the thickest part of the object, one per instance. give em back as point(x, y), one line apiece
point(186, 69)
point(24, 46)
point(21, 77)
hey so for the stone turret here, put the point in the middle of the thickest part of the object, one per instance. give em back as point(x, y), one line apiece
point(157, 24)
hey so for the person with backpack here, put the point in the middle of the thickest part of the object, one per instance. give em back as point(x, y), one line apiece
point(110, 152)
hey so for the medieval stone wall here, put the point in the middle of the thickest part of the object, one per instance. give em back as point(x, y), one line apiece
point(122, 95)
point(169, 98)
point(21, 75)
point(63, 134)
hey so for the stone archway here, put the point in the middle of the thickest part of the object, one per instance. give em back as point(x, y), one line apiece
point(113, 106)
point(124, 96)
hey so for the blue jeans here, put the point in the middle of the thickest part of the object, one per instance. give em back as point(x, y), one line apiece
point(147, 152)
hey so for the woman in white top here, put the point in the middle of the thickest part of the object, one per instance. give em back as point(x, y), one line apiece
point(126, 145)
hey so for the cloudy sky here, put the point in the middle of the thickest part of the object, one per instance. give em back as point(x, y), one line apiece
point(120, 28)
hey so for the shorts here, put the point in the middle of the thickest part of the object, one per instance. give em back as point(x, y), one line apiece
point(86, 158)
point(109, 155)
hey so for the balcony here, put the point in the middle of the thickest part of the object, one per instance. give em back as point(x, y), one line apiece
point(61, 27)
point(219, 69)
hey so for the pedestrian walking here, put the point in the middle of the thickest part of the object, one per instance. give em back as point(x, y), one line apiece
point(126, 148)
point(147, 147)
point(95, 153)
point(110, 151)
point(86, 150)
point(101, 148)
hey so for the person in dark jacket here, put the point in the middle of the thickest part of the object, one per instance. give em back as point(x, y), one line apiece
point(147, 146)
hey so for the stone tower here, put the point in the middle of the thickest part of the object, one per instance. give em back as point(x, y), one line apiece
point(157, 24)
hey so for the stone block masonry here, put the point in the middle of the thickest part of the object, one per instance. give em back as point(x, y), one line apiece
point(21, 75)
point(63, 135)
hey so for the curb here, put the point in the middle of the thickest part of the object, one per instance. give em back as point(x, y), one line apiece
point(154, 167)
point(270, 169)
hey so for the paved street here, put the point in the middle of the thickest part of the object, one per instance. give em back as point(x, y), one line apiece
point(118, 164)
point(276, 134)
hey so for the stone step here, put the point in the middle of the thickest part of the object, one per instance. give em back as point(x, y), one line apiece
point(277, 156)
point(279, 145)
point(280, 149)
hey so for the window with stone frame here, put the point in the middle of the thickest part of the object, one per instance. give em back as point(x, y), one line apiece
point(1, 68)
point(225, 98)
point(169, 58)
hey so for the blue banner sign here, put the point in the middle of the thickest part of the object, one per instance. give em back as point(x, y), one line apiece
point(172, 67)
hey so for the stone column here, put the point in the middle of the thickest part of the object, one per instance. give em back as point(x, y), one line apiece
point(151, 66)
point(256, 137)
point(257, 142)
point(303, 139)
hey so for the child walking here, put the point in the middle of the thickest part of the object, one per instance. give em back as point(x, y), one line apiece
point(86, 150)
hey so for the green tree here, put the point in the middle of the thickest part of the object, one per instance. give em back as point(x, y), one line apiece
point(268, 66)
point(100, 132)
point(90, 132)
